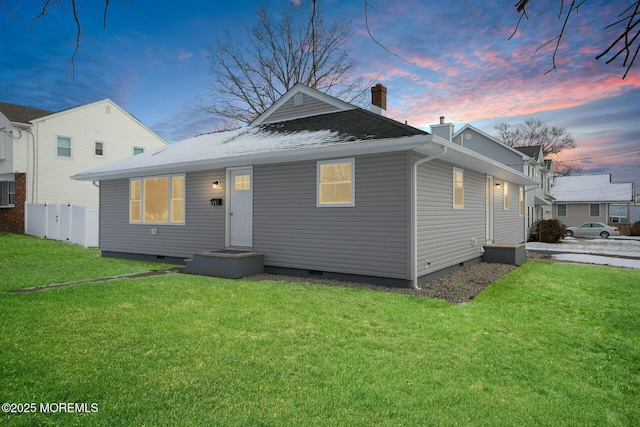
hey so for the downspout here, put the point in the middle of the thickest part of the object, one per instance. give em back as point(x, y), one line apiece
point(33, 163)
point(414, 214)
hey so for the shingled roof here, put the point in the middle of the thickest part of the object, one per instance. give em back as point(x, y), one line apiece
point(531, 151)
point(350, 125)
point(20, 114)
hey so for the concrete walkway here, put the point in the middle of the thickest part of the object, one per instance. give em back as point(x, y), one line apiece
point(614, 251)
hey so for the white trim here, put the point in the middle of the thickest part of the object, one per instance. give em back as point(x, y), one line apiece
point(506, 200)
point(300, 88)
point(70, 156)
point(521, 201)
point(321, 163)
point(169, 204)
point(227, 208)
point(566, 210)
point(99, 156)
point(453, 175)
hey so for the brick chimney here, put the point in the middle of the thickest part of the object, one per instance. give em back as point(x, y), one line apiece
point(379, 99)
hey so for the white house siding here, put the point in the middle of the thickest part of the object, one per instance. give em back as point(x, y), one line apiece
point(508, 224)
point(101, 121)
point(204, 227)
point(310, 107)
point(369, 239)
point(15, 160)
point(445, 234)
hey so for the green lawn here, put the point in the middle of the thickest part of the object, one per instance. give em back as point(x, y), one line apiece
point(548, 344)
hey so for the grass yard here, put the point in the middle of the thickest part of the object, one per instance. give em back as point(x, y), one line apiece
point(548, 344)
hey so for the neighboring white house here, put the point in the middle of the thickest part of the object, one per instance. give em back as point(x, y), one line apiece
point(528, 160)
point(587, 198)
point(40, 150)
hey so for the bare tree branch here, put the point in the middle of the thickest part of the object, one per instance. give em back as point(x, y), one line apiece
point(632, 21)
point(626, 42)
point(294, 48)
point(533, 132)
point(46, 8)
point(368, 6)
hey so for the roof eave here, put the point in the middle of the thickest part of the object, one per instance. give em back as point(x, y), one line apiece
point(310, 153)
point(469, 159)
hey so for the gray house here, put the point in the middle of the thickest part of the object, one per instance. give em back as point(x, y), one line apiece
point(319, 187)
point(528, 160)
point(588, 198)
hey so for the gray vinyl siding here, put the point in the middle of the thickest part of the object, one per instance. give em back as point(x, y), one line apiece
point(310, 106)
point(508, 224)
point(578, 213)
point(489, 148)
point(368, 239)
point(203, 229)
point(445, 234)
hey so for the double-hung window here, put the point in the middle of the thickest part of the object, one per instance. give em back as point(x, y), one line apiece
point(594, 209)
point(562, 209)
point(521, 201)
point(7, 193)
point(157, 200)
point(63, 146)
point(98, 149)
point(336, 183)
point(458, 188)
point(506, 195)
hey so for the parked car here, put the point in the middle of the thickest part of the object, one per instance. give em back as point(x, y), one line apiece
point(593, 229)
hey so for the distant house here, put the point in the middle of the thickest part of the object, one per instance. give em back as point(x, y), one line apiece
point(587, 198)
point(320, 187)
point(40, 150)
point(528, 160)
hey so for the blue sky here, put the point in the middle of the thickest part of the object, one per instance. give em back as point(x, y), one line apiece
point(151, 60)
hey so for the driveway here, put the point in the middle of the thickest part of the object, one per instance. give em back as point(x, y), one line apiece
point(620, 251)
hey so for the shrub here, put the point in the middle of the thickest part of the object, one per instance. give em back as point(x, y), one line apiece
point(635, 228)
point(550, 230)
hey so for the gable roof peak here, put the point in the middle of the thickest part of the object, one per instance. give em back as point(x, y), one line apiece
point(303, 90)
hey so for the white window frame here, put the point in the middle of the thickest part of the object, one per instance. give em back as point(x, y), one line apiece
point(95, 148)
point(566, 209)
point(319, 164)
point(453, 202)
point(521, 200)
point(8, 191)
point(169, 200)
point(594, 204)
point(70, 156)
point(505, 196)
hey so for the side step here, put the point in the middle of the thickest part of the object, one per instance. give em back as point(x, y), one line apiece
point(225, 264)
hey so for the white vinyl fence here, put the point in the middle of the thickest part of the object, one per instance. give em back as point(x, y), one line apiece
point(71, 223)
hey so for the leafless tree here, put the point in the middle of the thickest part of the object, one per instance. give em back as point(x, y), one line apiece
point(535, 132)
point(295, 47)
point(566, 168)
point(73, 5)
point(625, 45)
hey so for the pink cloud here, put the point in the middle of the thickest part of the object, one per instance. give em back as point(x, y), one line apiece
point(183, 56)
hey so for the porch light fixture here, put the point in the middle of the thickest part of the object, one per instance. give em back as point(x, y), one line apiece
point(498, 184)
point(215, 184)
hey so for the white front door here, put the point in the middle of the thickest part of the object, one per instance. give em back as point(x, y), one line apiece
point(240, 207)
point(489, 209)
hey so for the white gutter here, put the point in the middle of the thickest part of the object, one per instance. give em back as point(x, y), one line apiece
point(414, 214)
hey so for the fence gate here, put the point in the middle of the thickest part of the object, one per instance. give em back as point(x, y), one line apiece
point(66, 222)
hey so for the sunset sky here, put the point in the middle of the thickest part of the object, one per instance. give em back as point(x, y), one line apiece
point(457, 61)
